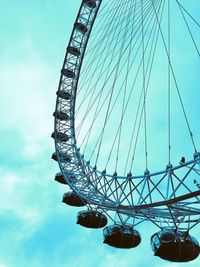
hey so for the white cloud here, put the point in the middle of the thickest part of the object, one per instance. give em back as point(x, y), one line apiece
point(27, 101)
point(28, 87)
point(16, 191)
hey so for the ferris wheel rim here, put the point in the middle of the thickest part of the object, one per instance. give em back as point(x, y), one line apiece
point(169, 166)
point(71, 144)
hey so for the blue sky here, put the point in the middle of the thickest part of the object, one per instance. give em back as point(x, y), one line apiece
point(37, 230)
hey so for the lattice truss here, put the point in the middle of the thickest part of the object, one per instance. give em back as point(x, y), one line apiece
point(168, 197)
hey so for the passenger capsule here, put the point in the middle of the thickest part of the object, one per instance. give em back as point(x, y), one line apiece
point(64, 158)
point(121, 236)
point(92, 219)
point(175, 246)
point(80, 27)
point(61, 115)
point(70, 198)
point(73, 50)
point(60, 137)
point(64, 95)
point(68, 73)
point(54, 156)
point(60, 178)
point(167, 236)
point(90, 3)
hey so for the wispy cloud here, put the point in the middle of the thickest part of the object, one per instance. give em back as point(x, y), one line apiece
point(37, 230)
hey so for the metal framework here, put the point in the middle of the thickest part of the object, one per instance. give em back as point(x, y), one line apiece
point(169, 197)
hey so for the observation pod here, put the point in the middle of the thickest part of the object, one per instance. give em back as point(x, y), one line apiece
point(70, 198)
point(80, 27)
point(64, 95)
point(61, 115)
point(90, 3)
point(121, 236)
point(73, 50)
point(92, 219)
point(54, 156)
point(64, 158)
point(68, 73)
point(60, 178)
point(175, 246)
point(61, 137)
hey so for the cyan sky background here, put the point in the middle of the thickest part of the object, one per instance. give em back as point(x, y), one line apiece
point(36, 229)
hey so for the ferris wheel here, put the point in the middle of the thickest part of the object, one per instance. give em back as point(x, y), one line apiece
point(126, 140)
